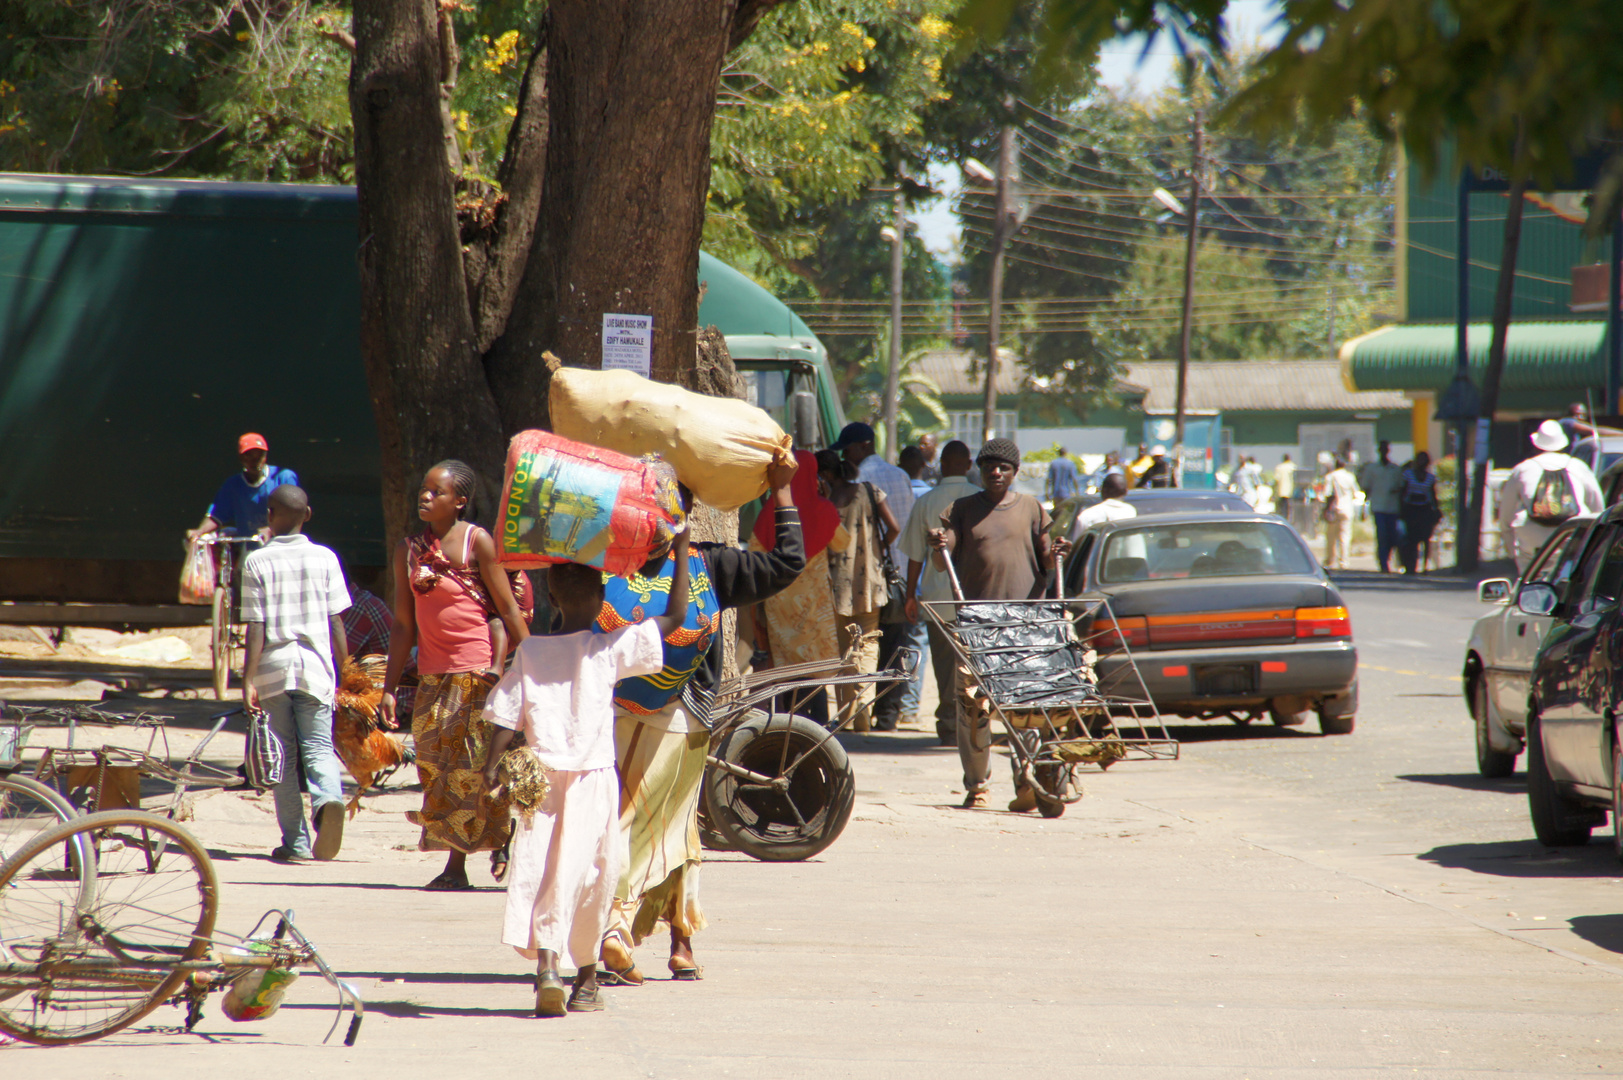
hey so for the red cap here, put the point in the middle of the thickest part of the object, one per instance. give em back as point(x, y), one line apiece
point(252, 441)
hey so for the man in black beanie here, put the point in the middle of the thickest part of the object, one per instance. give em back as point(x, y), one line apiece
point(998, 542)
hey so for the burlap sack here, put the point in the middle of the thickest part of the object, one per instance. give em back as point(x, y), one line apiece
point(720, 447)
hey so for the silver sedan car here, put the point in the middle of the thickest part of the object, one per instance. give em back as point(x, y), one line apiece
point(1499, 655)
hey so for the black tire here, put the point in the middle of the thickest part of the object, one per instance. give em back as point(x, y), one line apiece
point(220, 640)
point(1494, 764)
point(1337, 725)
point(1556, 818)
point(789, 824)
point(709, 838)
point(1617, 800)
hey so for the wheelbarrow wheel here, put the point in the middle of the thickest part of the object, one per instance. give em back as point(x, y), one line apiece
point(803, 810)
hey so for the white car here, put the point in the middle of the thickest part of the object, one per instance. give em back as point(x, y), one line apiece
point(1499, 656)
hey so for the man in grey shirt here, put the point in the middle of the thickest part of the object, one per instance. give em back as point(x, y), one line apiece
point(1381, 480)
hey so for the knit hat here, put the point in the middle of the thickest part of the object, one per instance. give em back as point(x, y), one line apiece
point(999, 450)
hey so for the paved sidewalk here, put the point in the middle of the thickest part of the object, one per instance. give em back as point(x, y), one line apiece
point(1148, 933)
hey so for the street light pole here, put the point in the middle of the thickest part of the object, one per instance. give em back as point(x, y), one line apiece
point(894, 375)
point(1188, 300)
point(1000, 240)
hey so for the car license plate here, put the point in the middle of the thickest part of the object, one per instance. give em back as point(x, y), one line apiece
point(1225, 679)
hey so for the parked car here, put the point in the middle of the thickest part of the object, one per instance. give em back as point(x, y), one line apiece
point(1574, 762)
point(1227, 615)
point(1184, 500)
point(1499, 654)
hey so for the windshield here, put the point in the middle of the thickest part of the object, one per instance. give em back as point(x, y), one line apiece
point(1217, 549)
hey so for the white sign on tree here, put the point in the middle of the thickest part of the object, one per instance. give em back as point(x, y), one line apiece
point(628, 343)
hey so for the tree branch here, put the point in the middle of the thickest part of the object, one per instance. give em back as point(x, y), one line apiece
point(746, 17)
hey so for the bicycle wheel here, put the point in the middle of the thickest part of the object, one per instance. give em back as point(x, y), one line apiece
point(800, 814)
point(220, 640)
point(83, 955)
point(27, 808)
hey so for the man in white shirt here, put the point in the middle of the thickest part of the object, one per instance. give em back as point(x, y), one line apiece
point(1544, 491)
point(926, 582)
point(1340, 503)
point(856, 444)
point(1111, 507)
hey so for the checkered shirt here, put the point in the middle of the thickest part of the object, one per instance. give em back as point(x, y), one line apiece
point(898, 489)
point(367, 624)
point(294, 587)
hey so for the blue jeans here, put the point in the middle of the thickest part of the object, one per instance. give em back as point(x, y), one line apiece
point(917, 638)
point(1386, 538)
point(304, 726)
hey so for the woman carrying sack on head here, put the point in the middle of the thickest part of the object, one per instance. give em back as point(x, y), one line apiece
point(857, 576)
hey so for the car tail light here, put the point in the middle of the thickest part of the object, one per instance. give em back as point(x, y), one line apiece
point(1323, 622)
point(1108, 634)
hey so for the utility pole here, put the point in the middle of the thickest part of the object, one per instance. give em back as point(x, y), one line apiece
point(894, 375)
point(1188, 297)
point(1000, 241)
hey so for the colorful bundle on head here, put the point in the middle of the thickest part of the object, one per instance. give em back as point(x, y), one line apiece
point(565, 501)
point(524, 779)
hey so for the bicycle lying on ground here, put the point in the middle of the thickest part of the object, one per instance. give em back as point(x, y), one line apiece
point(107, 916)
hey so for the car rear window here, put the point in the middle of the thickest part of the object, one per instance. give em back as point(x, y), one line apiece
point(1215, 549)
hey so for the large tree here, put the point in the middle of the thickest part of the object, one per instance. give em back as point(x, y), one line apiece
point(598, 207)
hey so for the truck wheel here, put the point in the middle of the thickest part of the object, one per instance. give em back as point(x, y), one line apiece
point(1554, 815)
point(1494, 764)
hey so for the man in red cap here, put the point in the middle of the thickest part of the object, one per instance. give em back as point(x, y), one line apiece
point(239, 505)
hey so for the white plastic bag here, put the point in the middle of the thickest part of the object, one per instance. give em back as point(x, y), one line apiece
point(198, 575)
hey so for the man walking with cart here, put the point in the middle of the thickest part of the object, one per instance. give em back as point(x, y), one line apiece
point(998, 543)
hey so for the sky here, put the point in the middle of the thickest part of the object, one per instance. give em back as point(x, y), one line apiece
point(1119, 68)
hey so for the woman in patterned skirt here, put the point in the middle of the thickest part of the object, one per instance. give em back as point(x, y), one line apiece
point(463, 612)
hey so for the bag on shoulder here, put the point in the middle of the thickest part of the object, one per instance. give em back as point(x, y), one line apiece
point(263, 759)
point(895, 608)
point(1554, 498)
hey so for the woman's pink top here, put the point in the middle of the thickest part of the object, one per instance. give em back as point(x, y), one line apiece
point(453, 631)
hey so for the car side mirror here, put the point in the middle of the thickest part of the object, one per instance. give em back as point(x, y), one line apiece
point(1494, 590)
point(1536, 598)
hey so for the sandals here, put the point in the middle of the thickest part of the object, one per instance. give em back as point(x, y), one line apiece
point(448, 882)
point(618, 966)
point(685, 970)
point(499, 858)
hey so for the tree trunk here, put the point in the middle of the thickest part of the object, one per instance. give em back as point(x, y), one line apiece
point(601, 211)
point(1470, 531)
point(417, 338)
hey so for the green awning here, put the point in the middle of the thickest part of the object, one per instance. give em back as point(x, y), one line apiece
point(1556, 356)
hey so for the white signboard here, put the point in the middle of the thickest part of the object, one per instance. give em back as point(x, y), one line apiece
point(628, 343)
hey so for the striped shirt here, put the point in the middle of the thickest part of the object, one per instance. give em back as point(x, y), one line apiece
point(294, 588)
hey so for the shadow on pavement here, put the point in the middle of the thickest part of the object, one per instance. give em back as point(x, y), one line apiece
point(1469, 782)
point(1603, 930)
point(1526, 859)
point(411, 1010)
point(1227, 731)
point(1370, 581)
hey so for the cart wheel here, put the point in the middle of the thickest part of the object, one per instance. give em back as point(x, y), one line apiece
point(781, 823)
point(220, 641)
point(92, 950)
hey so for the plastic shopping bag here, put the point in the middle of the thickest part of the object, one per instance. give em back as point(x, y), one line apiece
point(198, 576)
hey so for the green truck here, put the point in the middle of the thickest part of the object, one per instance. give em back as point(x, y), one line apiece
point(145, 324)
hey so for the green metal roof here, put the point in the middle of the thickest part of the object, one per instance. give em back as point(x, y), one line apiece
point(1538, 356)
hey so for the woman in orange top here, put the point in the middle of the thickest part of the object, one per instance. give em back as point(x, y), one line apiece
point(463, 612)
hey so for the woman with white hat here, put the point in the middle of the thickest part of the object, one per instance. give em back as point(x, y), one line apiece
point(1542, 492)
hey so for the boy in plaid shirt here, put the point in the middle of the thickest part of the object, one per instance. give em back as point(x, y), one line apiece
point(292, 596)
